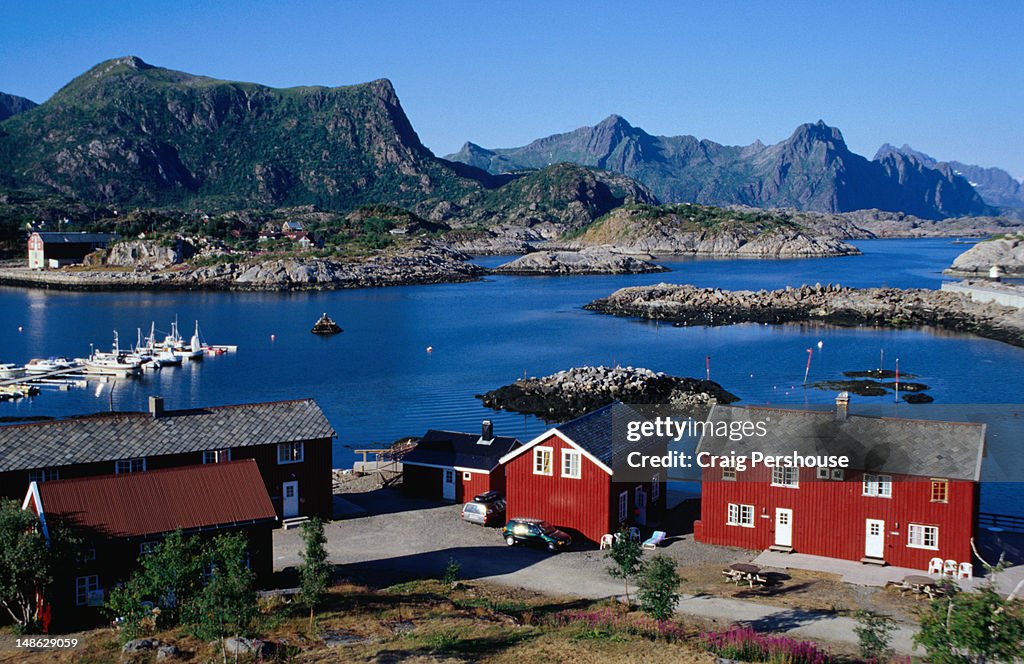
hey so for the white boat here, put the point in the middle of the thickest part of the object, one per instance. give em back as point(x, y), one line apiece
point(41, 366)
point(175, 343)
point(11, 371)
point(167, 358)
point(114, 363)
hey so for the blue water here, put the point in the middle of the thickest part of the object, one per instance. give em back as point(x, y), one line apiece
point(376, 382)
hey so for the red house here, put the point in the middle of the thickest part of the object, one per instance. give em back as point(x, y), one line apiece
point(908, 495)
point(447, 465)
point(120, 517)
point(573, 476)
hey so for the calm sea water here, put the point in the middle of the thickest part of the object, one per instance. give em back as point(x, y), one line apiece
point(376, 382)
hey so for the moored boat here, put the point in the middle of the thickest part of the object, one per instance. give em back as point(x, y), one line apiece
point(41, 366)
point(11, 371)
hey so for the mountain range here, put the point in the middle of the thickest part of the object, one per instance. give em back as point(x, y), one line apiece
point(996, 186)
point(813, 169)
point(127, 133)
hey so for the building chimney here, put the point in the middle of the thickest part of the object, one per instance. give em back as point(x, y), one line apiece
point(156, 406)
point(842, 405)
point(487, 431)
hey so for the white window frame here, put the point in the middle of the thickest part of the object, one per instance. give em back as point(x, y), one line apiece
point(877, 486)
point(148, 547)
point(838, 474)
point(122, 466)
point(918, 536)
point(466, 476)
point(821, 473)
point(85, 585)
point(655, 487)
point(786, 477)
point(623, 506)
point(41, 475)
point(575, 470)
point(289, 455)
point(738, 514)
point(729, 474)
point(217, 456)
point(540, 453)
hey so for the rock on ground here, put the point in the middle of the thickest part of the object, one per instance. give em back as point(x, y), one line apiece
point(1006, 253)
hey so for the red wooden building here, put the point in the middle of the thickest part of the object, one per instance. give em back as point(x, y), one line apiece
point(573, 476)
point(120, 517)
point(289, 440)
point(909, 495)
point(447, 465)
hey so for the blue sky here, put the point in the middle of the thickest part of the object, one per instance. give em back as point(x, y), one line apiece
point(942, 76)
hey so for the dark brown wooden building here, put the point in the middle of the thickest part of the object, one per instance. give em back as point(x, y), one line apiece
point(120, 517)
point(289, 440)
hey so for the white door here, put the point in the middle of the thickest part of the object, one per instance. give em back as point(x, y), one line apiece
point(783, 527)
point(640, 498)
point(290, 499)
point(874, 539)
point(448, 484)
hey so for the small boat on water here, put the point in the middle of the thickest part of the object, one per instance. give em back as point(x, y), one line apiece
point(40, 366)
point(11, 371)
point(175, 343)
point(326, 326)
point(114, 363)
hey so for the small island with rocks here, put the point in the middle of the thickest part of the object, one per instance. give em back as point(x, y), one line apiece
point(567, 394)
point(591, 260)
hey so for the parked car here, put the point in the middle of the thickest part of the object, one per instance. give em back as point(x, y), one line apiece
point(537, 532)
point(486, 509)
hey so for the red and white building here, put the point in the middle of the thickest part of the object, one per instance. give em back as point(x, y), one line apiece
point(448, 465)
point(909, 495)
point(573, 476)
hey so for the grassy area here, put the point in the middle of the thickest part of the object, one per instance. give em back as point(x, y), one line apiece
point(426, 621)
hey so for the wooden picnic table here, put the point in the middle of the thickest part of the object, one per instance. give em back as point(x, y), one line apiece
point(740, 572)
point(920, 584)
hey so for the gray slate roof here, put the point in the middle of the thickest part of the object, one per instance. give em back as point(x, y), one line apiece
point(602, 433)
point(108, 437)
point(77, 238)
point(921, 448)
point(450, 448)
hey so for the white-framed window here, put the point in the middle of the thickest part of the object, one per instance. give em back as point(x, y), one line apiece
point(466, 476)
point(136, 465)
point(829, 474)
point(217, 456)
point(838, 474)
point(655, 486)
point(148, 547)
point(623, 506)
point(922, 537)
point(821, 473)
point(571, 464)
point(729, 474)
point(86, 555)
point(740, 515)
point(542, 461)
point(44, 475)
point(84, 585)
point(290, 452)
point(787, 477)
point(878, 485)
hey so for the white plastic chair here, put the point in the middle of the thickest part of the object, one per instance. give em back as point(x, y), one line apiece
point(950, 568)
point(966, 571)
point(606, 541)
point(935, 566)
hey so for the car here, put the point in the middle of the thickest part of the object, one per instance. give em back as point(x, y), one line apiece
point(486, 509)
point(537, 532)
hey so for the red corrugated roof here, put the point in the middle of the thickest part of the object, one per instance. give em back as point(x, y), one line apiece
point(160, 501)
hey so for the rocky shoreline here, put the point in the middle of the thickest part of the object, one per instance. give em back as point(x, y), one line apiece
point(884, 307)
point(1004, 253)
point(574, 392)
point(591, 260)
point(422, 266)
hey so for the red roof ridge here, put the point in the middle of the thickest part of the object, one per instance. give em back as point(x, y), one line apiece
point(196, 467)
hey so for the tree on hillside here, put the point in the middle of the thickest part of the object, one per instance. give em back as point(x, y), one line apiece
point(170, 577)
point(979, 626)
point(226, 605)
point(29, 563)
point(315, 571)
point(659, 587)
point(626, 556)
